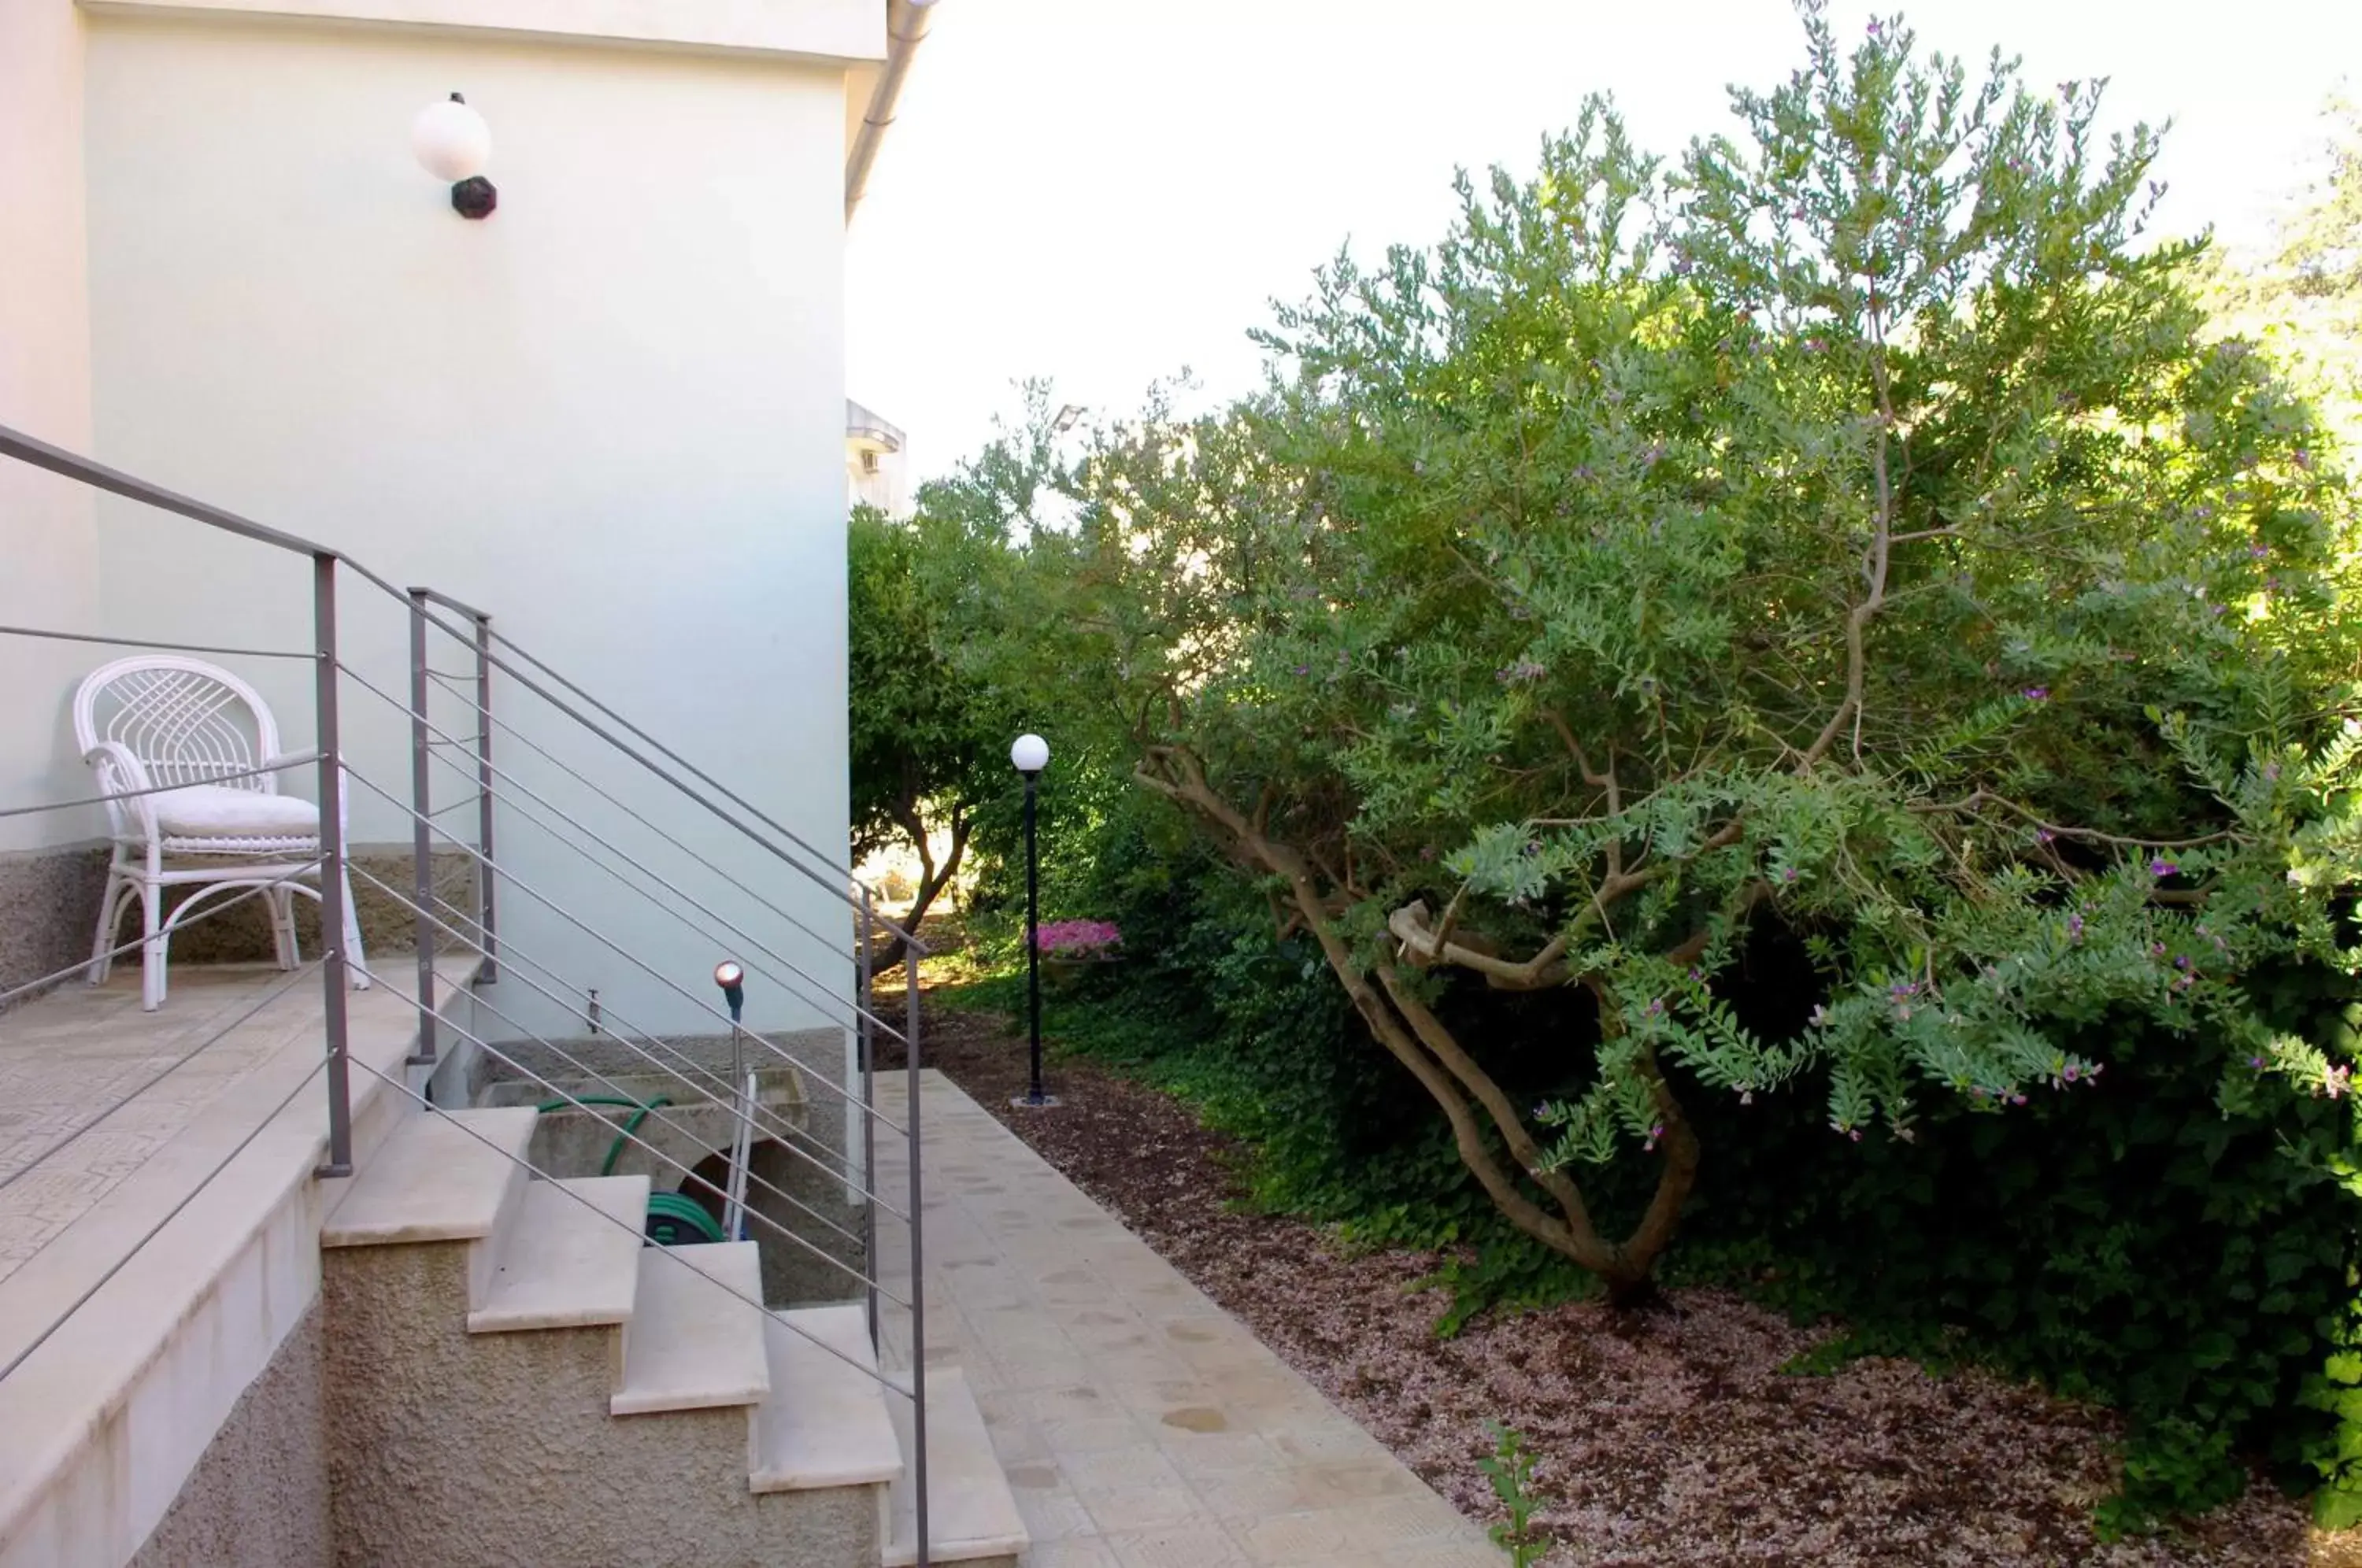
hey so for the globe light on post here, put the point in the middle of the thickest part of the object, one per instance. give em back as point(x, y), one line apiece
point(452, 142)
point(732, 978)
point(1030, 755)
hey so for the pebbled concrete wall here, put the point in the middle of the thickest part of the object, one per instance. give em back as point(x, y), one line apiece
point(458, 1449)
point(49, 908)
point(259, 1497)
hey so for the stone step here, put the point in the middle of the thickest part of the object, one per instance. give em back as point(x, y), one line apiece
point(441, 1175)
point(826, 1423)
point(971, 1514)
point(572, 1258)
point(695, 1337)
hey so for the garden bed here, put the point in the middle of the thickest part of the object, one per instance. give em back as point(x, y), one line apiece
point(1671, 1436)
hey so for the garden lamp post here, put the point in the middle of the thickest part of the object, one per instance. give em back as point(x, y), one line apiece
point(1030, 755)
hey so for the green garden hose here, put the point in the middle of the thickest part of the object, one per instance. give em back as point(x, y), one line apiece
point(675, 1218)
point(639, 1109)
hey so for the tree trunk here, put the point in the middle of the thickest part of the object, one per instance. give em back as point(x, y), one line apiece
point(932, 880)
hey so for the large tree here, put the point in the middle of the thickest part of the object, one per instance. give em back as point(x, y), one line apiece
point(923, 731)
point(1847, 527)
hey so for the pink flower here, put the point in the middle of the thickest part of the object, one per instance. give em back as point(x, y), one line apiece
point(1078, 938)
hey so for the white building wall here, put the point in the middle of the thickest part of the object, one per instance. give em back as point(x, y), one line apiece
point(612, 415)
point(49, 570)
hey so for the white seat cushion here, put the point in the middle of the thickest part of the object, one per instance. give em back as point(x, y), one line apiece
point(220, 811)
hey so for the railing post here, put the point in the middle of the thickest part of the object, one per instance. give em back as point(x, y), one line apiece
point(422, 806)
point(865, 1049)
point(484, 873)
point(918, 1253)
point(332, 866)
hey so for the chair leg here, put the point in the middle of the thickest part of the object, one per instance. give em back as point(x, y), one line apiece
point(283, 925)
point(356, 962)
point(110, 918)
point(151, 954)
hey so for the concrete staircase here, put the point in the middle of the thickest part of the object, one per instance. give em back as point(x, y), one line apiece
point(512, 1377)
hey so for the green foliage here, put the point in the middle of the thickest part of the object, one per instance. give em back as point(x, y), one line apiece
point(1828, 628)
point(2302, 298)
point(923, 733)
point(1510, 1472)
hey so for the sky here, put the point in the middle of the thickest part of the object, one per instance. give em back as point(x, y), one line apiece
point(1103, 192)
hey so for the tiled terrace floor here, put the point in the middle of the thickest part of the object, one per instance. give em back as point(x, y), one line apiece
point(65, 1057)
point(1139, 1425)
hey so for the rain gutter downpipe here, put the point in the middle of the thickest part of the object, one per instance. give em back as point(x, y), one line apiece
point(905, 28)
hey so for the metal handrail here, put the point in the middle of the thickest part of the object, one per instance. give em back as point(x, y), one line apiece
point(908, 937)
point(783, 1133)
point(83, 964)
point(519, 787)
point(677, 1255)
point(818, 878)
point(276, 765)
point(337, 965)
point(625, 954)
point(587, 782)
point(654, 1153)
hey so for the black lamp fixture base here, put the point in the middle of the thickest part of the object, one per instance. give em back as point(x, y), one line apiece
point(474, 196)
point(1027, 1102)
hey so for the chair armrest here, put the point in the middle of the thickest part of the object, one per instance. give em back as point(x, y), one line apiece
point(119, 772)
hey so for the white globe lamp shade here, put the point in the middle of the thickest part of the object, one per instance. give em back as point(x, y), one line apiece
point(1030, 755)
point(452, 141)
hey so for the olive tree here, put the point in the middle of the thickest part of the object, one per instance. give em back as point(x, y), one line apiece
point(1846, 526)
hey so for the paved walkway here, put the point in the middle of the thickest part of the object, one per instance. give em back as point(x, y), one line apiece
point(1139, 1425)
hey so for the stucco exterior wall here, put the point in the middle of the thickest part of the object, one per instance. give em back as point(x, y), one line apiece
point(50, 575)
point(457, 1449)
point(612, 415)
point(259, 1497)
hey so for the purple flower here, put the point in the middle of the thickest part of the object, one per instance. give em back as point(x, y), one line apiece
point(1540, 1111)
point(2017, 1099)
point(2074, 928)
point(1303, 669)
point(1787, 873)
point(1855, 1134)
point(2037, 694)
point(2260, 551)
point(2257, 1063)
point(2068, 1072)
point(2043, 835)
point(2161, 867)
point(1656, 1007)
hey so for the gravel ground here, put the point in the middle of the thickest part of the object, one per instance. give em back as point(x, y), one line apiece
point(1664, 1438)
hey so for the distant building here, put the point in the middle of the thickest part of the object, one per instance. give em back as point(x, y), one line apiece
point(876, 471)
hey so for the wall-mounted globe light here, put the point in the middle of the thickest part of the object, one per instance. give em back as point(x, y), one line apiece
point(453, 143)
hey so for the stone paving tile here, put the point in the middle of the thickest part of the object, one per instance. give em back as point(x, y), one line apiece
point(1139, 1425)
point(67, 1056)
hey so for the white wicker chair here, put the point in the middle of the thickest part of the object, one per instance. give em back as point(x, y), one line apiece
point(178, 725)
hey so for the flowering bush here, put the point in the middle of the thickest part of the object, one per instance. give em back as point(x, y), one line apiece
point(1079, 939)
point(1845, 544)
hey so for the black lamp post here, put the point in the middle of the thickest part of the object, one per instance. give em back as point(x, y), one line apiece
point(1031, 755)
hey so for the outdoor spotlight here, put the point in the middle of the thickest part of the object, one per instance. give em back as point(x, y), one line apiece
point(1030, 755)
point(731, 979)
point(453, 143)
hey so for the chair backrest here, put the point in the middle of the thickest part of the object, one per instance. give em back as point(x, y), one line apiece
point(186, 721)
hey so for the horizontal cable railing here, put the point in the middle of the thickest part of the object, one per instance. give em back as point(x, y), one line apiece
point(817, 996)
point(89, 965)
point(558, 1091)
point(690, 1074)
point(499, 793)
